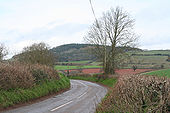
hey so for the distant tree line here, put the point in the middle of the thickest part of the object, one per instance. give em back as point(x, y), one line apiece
point(150, 54)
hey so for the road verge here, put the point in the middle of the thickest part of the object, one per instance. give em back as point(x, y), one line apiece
point(18, 97)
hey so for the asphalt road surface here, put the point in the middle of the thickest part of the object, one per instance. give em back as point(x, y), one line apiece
point(83, 97)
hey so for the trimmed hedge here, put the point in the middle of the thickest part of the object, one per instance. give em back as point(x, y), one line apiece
point(20, 95)
point(138, 94)
point(14, 75)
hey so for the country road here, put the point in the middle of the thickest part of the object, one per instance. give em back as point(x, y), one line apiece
point(83, 97)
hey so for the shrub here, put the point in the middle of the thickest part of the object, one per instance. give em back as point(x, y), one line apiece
point(100, 76)
point(139, 94)
point(15, 76)
point(41, 72)
point(134, 67)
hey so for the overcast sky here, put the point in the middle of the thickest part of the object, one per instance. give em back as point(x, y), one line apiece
point(57, 22)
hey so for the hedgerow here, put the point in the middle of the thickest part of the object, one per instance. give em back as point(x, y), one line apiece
point(24, 82)
point(138, 94)
point(20, 95)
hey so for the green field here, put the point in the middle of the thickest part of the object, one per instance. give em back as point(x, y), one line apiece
point(150, 61)
point(155, 52)
point(77, 62)
point(61, 67)
point(164, 73)
point(95, 63)
point(82, 62)
point(141, 61)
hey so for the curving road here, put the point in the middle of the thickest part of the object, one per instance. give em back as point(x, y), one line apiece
point(83, 97)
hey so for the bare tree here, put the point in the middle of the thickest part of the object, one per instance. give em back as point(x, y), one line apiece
point(3, 51)
point(112, 35)
point(37, 53)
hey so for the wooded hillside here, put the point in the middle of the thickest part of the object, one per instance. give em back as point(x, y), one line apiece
point(73, 52)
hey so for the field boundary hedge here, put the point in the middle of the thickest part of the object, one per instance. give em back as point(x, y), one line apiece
point(47, 87)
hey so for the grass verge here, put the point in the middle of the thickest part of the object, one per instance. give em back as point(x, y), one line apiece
point(108, 82)
point(161, 73)
point(11, 97)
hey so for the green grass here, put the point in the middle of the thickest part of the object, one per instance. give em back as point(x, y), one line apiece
point(155, 52)
point(77, 62)
point(108, 82)
point(96, 63)
point(164, 73)
point(15, 96)
point(150, 61)
point(60, 67)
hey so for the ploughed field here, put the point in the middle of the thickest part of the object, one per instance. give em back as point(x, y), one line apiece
point(118, 71)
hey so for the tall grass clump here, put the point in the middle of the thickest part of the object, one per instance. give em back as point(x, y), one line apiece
point(138, 94)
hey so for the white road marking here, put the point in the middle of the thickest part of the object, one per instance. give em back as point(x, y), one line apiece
point(82, 83)
point(70, 101)
point(61, 106)
point(82, 95)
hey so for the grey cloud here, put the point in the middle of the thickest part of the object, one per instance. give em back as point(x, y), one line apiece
point(60, 30)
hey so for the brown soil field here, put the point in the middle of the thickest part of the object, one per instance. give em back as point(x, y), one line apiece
point(118, 71)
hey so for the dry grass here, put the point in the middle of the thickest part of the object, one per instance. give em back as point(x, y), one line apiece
point(138, 94)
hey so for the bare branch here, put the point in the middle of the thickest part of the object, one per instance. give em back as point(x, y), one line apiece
point(114, 29)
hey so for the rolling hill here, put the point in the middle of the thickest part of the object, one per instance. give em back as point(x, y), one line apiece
point(73, 52)
point(141, 58)
point(79, 52)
